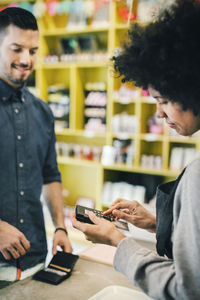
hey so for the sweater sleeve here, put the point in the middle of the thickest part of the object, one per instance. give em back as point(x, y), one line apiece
point(163, 278)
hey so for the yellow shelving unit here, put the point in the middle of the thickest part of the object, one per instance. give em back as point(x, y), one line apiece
point(7, 2)
point(84, 178)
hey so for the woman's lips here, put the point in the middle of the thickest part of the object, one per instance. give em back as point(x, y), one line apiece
point(171, 125)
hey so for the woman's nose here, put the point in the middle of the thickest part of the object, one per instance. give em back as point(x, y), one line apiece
point(160, 112)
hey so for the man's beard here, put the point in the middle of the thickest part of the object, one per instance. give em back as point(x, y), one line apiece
point(20, 82)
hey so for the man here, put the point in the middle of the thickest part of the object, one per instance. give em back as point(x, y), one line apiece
point(164, 56)
point(27, 155)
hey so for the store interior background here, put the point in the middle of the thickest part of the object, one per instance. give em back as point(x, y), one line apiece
point(109, 142)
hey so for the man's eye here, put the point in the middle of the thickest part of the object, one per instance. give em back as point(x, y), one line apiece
point(33, 52)
point(17, 50)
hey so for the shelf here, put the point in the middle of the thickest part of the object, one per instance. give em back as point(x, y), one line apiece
point(124, 135)
point(122, 26)
point(117, 167)
point(81, 133)
point(184, 140)
point(92, 64)
point(125, 101)
point(151, 137)
point(78, 64)
point(133, 169)
point(148, 100)
point(67, 32)
point(78, 162)
point(59, 65)
point(7, 2)
point(85, 178)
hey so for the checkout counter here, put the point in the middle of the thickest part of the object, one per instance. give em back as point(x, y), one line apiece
point(88, 279)
point(92, 273)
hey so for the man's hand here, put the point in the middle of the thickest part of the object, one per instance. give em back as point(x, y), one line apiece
point(13, 243)
point(52, 193)
point(102, 231)
point(62, 240)
point(133, 212)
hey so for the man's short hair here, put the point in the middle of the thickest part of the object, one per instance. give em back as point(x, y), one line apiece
point(165, 54)
point(18, 17)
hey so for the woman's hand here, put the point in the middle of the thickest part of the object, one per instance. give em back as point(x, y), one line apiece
point(102, 231)
point(133, 212)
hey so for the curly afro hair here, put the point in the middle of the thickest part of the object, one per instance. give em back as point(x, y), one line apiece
point(165, 54)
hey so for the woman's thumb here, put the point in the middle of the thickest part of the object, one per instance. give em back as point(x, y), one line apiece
point(93, 217)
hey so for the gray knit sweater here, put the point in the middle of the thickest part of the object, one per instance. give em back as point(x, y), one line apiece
point(163, 278)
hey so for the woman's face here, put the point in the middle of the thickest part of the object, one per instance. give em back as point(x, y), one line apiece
point(184, 122)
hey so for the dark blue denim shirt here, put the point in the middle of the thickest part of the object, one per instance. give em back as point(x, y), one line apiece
point(27, 161)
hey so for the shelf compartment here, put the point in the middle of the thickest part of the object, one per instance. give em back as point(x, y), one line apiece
point(135, 178)
point(180, 155)
point(151, 155)
point(147, 111)
point(122, 13)
point(119, 36)
point(85, 75)
point(81, 180)
point(51, 78)
point(119, 107)
point(80, 47)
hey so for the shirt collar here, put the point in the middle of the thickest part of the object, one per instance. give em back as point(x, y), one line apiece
point(7, 92)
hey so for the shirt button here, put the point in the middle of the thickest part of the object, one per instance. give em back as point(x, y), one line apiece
point(21, 221)
point(21, 193)
point(23, 100)
point(21, 165)
point(19, 137)
point(16, 110)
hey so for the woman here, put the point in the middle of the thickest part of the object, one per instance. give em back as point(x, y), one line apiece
point(163, 56)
